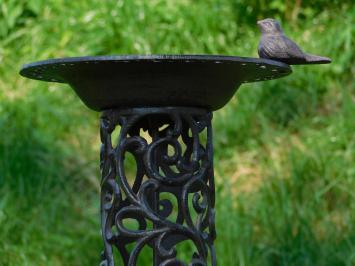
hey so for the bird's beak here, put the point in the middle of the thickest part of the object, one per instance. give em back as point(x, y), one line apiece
point(259, 23)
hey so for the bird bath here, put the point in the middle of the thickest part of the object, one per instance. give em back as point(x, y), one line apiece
point(162, 106)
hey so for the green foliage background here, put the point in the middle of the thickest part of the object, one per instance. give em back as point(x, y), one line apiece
point(285, 168)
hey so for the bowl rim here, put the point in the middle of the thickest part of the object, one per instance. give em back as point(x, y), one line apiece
point(154, 57)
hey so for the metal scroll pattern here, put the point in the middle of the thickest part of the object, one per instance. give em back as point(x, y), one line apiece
point(167, 145)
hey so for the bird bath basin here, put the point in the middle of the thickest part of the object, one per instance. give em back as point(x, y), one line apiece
point(104, 82)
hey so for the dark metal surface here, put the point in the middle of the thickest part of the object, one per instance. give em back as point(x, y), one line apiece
point(106, 82)
point(171, 198)
point(169, 203)
point(275, 45)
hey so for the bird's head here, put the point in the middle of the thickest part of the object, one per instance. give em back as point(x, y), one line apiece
point(269, 25)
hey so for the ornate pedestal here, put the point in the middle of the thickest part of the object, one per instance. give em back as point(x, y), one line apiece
point(162, 107)
point(173, 151)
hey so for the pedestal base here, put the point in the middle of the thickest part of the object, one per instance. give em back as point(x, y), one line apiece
point(169, 205)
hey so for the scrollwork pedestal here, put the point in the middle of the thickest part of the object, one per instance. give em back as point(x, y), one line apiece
point(172, 148)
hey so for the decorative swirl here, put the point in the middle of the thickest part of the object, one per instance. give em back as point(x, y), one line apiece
point(169, 160)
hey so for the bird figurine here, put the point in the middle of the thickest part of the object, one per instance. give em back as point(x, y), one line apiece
point(275, 45)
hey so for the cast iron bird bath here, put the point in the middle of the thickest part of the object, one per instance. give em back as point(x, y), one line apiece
point(163, 107)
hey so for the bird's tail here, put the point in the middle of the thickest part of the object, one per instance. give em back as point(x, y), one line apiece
point(315, 59)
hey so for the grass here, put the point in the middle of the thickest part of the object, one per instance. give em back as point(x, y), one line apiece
point(284, 149)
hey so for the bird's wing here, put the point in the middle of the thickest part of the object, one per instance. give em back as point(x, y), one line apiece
point(293, 50)
point(269, 47)
point(279, 47)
